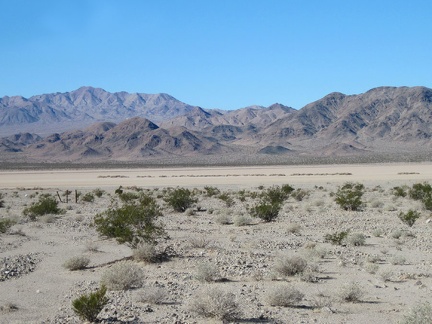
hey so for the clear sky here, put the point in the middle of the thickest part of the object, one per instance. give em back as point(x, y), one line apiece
point(223, 54)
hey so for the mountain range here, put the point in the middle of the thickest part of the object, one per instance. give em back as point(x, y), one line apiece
point(93, 125)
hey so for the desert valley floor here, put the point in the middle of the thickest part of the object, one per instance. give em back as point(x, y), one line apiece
point(390, 272)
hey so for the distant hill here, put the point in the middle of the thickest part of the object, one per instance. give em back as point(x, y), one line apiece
point(90, 124)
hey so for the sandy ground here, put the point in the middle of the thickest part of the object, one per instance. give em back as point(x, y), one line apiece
point(393, 269)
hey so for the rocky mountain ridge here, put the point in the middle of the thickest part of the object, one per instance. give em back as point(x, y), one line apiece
point(134, 127)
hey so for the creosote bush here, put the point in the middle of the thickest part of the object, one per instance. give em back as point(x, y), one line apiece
point(76, 263)
point(88, 307)
point(47, 204)
point(216, 303)
point(266, 211)
point(336, 238)
point(409, 217)
point(348, 196)
point(88, 197)
point(422, 192)
point(122, 276)
point(180, 199)
point(284, 296)
point(132, 223)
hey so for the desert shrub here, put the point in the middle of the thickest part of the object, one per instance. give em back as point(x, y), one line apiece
point(122, 276)
point(98, 192)
point(242, 220)
point(128, 196)
point(290, 266)
point(299, 194)
point(76, 263)
point(153, 295)
point(88, 307)
point(356, 239)
point(397, 260)
point(5, 224)
point(348, 196)
point(131, 223)
point(275, 195)
point(216, 303)
point(207, 272)
point(397, 234)
point(91, 246)
point(287, 189)
point(351, 292)
point(409, 217)
point(145, 252)
point(266, 211)
point(211, 191)
point(223, 219)
point(399, 191)
point(422, 192)
point(284, 296)
point(336, 238)
point(2, 203)
point(8, 307)
point(47, 204)
point(294, 228)
point(180, 199)
point(88, 197)
point(199, 242)
point(225, 197)
point(419, 314)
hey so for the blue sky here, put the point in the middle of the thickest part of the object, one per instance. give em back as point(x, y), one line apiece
point(223, 54)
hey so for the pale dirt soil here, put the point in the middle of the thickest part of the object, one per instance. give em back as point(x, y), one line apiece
point(245, 255)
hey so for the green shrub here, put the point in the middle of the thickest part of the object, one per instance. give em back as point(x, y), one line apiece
point(420, 190)
point(276, 195)
point(5, 224)
point(399, 191)
point(180, 199)
point(299, 194)
point(337, 238)
point(349, 196)
point(47, 204)
point(266, 211)
point(211, 191)
point(1, 200)
point(423, 192)
point(88, 197)
point(225, 197)
point(132, 223)
point(98, 192)
point(88, 307)
point(409, 217)
point(128, 196)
